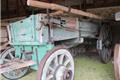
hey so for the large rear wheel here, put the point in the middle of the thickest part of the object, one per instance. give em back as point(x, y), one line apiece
point(105, 43)
point(57, 64)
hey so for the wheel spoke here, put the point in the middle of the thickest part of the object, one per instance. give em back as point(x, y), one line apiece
point(49, 77)
point(7, 60)
point(56, 61)
point(61, 59)
point(107, 54)
point(51, 69)
point(66, 62)
point(11, 55)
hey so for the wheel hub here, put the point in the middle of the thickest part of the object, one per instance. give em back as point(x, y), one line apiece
point(62, 73)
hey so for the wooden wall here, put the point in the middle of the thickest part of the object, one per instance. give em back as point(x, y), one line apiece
point(106, 12)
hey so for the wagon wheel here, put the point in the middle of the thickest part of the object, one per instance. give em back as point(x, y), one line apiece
point(77, 50)
point(117, 61)
point(57, 64)
point(73, 51)
point(105, 39)
point(8, 55)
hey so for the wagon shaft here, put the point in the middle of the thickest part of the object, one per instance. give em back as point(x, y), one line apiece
point(15, 64)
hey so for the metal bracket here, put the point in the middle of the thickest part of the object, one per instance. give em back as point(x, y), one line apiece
point(99, 44)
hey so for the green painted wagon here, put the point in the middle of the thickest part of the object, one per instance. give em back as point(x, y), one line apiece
point(31, 39)
point(45, 43)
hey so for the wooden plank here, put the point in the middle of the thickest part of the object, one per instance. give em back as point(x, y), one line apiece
point(3, 39)
point(12, 19)
point(3, 46)
point(4, 24)
point(53, 6)
point(16, 64)
point(3, 33)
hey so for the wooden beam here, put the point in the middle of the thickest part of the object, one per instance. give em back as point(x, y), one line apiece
point(12, 19)
point(61, 8)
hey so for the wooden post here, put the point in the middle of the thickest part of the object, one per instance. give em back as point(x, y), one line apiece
point(53, 6)
point(117, 61)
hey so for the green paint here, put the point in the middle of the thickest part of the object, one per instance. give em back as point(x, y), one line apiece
point(26, 37)
point(23, 30)
point(27, 31)
point(41, 50)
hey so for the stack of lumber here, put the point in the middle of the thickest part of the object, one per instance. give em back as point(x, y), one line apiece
point(3, 36)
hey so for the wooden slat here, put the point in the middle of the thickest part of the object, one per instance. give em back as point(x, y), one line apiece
point(4, 24)
point(3, 46)
point(12, 19)
point(3, 33)
point(3, 39)
point(16, 64)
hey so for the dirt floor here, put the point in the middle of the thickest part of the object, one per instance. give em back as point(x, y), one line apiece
point(87, 67)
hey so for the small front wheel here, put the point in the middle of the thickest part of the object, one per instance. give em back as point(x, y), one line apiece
point(7, 56)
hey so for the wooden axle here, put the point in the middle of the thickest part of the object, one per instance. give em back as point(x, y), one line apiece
point(57, 7)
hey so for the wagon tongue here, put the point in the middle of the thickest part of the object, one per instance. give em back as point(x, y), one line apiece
point(15, 64)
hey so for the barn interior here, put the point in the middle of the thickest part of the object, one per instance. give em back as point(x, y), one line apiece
point(88, 65)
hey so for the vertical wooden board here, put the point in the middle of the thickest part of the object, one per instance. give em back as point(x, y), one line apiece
point(117, 61)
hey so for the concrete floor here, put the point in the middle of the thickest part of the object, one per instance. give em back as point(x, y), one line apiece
point(87, 67)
